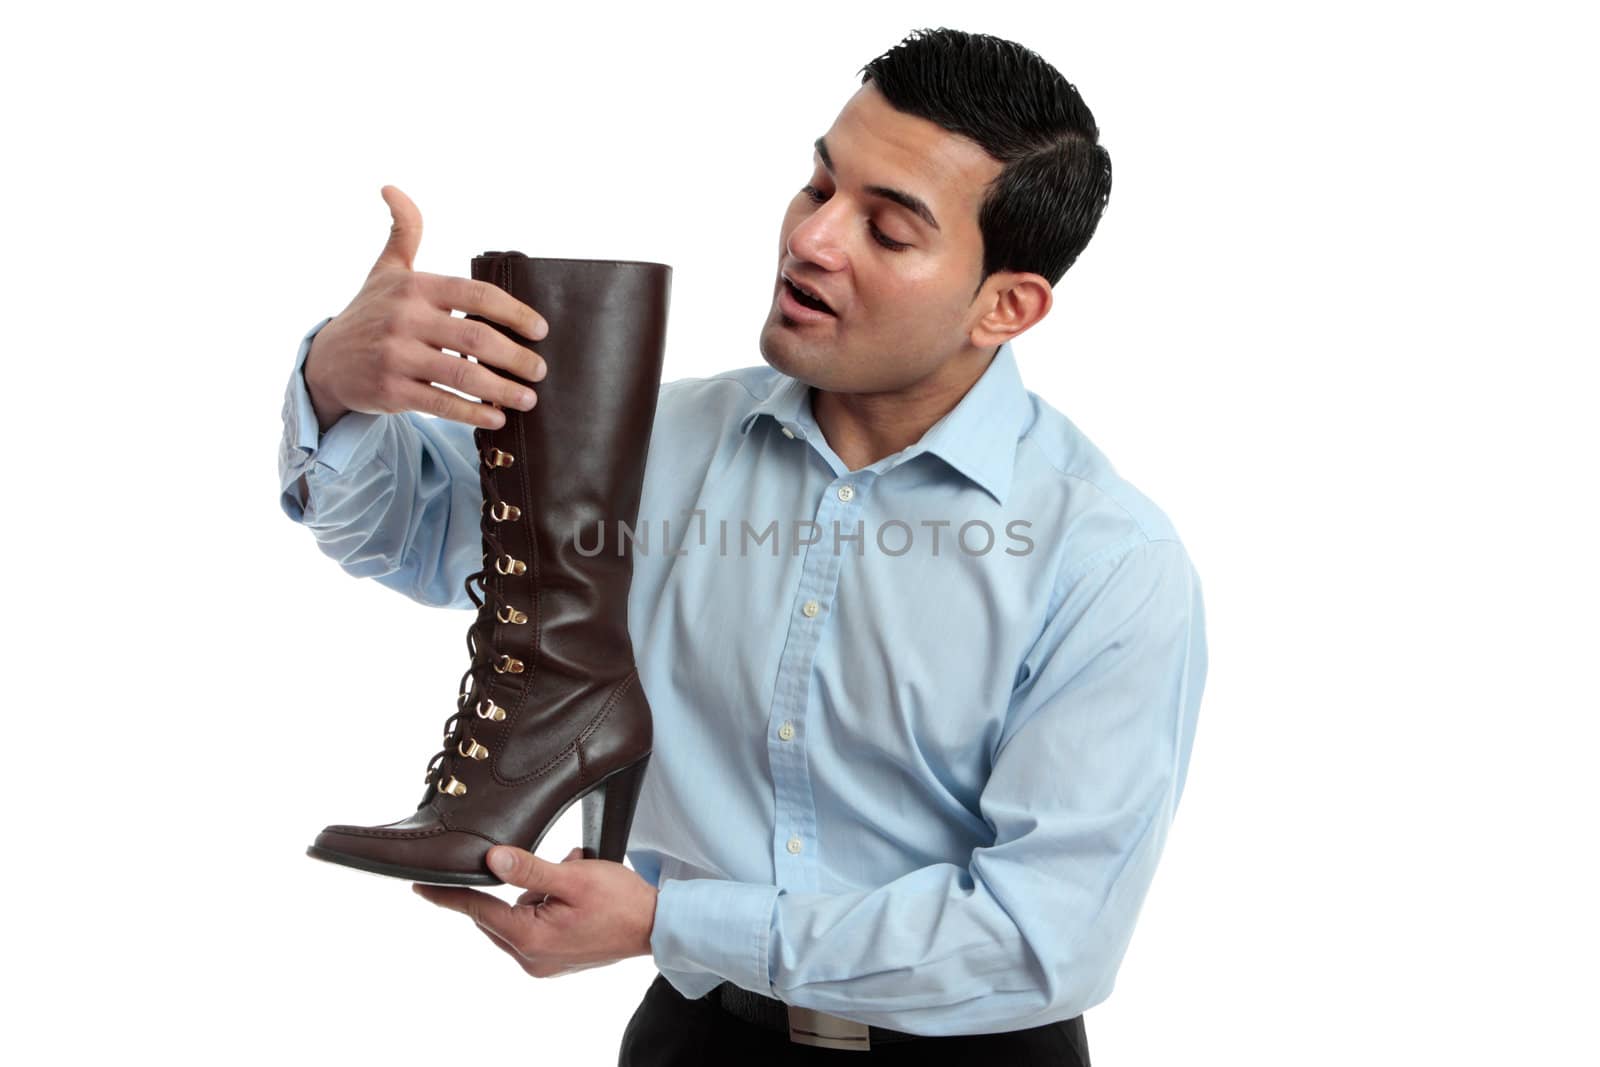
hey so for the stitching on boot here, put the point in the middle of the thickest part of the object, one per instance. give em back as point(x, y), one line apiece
point(378, 831)
point(455, 828)
point(572, 748)
point(611, 702)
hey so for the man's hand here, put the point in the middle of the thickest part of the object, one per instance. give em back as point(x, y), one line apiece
point(383, 353)
point(597, 912)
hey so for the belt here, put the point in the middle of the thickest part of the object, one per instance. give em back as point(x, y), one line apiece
point(805, 1026)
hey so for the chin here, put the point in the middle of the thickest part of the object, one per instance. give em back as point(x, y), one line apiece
point(790, 352)
point(775, 352)
point(784, 351)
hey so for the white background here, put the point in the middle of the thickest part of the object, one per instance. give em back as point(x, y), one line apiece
point(1338, 321)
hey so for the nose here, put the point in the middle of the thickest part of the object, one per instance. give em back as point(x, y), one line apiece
point(816, 240)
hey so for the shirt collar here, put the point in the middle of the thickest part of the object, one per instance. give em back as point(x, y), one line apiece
point(977, 437)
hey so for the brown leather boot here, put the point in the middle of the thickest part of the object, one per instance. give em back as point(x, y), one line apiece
point(550, 710)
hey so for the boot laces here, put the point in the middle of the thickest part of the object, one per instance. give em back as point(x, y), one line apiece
point(474, 684)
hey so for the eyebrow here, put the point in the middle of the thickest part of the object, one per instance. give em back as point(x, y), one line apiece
point(899, 196)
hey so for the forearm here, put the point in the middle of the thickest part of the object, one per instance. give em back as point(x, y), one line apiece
point(391, 497)
point(937, 951)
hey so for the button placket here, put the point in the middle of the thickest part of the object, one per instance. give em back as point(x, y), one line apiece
point(794, 817)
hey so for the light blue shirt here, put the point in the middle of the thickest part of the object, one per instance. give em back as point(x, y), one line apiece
point(913, 764)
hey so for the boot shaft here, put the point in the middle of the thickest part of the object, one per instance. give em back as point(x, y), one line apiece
point(574, 465)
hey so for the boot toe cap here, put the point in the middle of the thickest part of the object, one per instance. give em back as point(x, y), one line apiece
point(425, 853)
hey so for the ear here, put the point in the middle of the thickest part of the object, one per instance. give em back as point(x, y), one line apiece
point(1012, 301)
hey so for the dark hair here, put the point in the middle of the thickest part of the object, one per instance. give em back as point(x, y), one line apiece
point(1041, 210)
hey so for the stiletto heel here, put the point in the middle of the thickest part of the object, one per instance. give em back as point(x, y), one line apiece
point(608, 812)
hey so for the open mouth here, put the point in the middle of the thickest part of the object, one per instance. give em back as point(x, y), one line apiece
point(805, 299)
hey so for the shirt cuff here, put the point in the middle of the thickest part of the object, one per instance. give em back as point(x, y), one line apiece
point(710, 924)
point(332, 449)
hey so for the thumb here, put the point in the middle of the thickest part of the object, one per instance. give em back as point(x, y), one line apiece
point(406, 232)
point(519, 867)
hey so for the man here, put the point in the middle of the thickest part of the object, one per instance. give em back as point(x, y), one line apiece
point(924, 668)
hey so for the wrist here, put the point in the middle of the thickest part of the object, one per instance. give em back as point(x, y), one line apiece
point(328, 410)
point(648, 949)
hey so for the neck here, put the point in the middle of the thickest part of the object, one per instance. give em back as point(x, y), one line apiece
point(862, 428)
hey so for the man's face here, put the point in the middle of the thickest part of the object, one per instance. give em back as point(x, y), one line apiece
point(901, 287)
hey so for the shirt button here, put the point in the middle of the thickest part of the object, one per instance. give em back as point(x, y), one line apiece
point(810, 609)
point(794, 844)
point(846, 491)
point(788, 433)
point(786, 731)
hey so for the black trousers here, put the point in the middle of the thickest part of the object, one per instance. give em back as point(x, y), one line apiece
point(670, 1030)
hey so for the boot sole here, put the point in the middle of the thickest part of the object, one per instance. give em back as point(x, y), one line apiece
point(595, 809)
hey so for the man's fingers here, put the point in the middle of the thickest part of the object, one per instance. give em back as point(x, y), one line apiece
point(489, 345)
point(476, 380)
point(505, 945)
point(522, 868)
point(535, 897)
point(415, 396)
point(485, 909)
point(475, 297)
point(409, 389)
point(405, 232)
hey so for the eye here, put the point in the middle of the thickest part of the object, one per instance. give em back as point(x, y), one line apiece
point(816, 196)
point(885, 240)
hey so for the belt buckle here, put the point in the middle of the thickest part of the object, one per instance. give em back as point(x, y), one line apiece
point(810, 1027)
